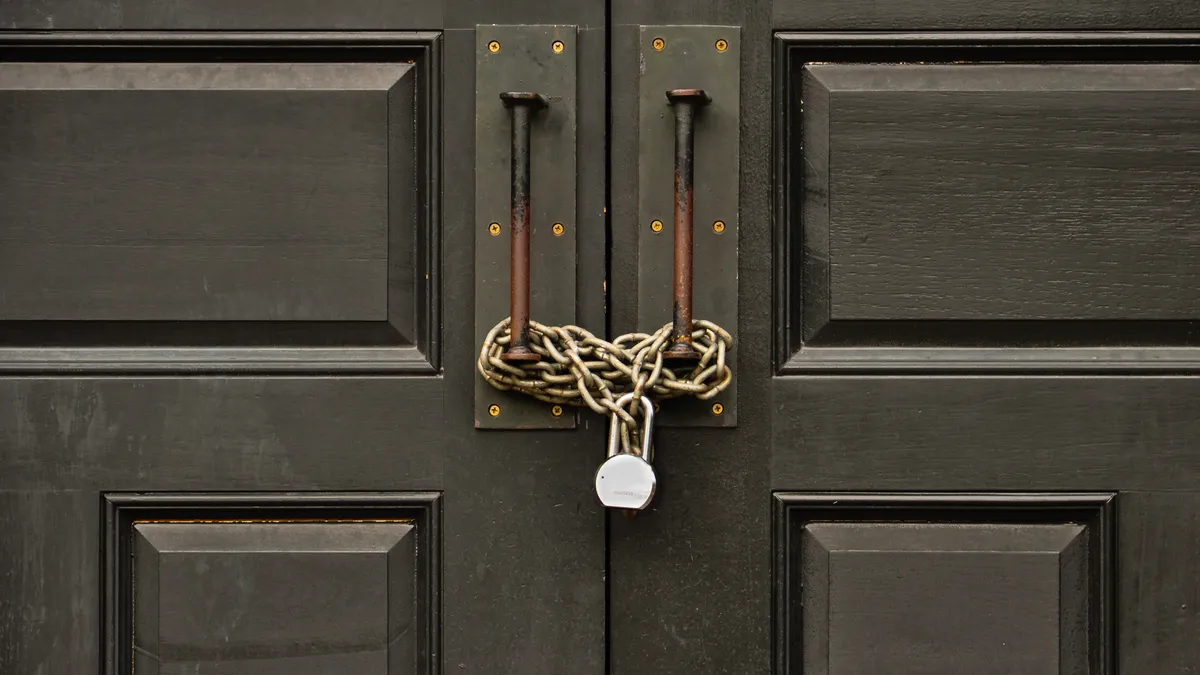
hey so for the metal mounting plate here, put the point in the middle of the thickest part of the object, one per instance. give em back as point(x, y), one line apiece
point(689, 57)
point(526, 58)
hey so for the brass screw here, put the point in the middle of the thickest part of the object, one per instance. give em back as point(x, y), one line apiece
point(493, 46)
point(556, 411)
point(719, 226)
point(494, 228)
point(559, 46)
point(722, 45)
point(558, 229)
point(657, 407)
point(494, 410)
point(656, 226)
point(718, 408)
point(659, 44)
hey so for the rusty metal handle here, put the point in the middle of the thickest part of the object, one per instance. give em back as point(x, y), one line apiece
point(686, 104)
point(522, 106)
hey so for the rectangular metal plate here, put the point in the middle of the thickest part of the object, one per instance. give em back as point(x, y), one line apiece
point(690, 57)
point(524, 58)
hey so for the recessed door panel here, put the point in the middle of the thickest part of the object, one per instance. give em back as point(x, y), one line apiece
point(232, 584)
point(245, 205)
point(967, 205)
point(261, 597)
point(912, 584)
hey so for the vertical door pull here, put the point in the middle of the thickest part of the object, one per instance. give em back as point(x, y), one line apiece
point(522, 106)
point(686, 104)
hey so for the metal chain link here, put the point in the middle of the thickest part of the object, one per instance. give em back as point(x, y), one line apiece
point(580, 369)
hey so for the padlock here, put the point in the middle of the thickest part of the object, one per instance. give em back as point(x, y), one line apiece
point(626, 480)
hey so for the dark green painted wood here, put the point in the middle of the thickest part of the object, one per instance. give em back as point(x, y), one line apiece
point(690, 576)
point(520, 534)
point(869, 414)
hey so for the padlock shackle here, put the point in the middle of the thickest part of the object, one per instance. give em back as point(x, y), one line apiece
point(614, 444)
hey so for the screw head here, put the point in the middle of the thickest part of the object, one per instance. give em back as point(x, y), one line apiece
point(557, 411)
point(494, 410)
point(659, 43)
point(493, 46)
point(657, 226)
point(719, 226)
point(558, 46)
point(494, 229)
point(722, 45)
point(558, 229)
point(717, 409)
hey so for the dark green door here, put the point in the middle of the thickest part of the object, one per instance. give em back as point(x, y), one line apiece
point(968, 410)
point(237, 360)
point(238, 300)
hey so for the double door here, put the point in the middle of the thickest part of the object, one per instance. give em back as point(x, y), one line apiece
point(246, 256)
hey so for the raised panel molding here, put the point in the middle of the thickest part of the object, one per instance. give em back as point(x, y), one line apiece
point(962, 15)
point(322, 253)
point(986, 202)
point(899, 583)
point(222, 15)
point(261, 583)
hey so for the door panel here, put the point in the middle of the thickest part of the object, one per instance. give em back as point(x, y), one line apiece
point(231, 15)
point(939, 215)
point(189, 610)
point(1028, 433)
point(981, 378)
point(690, 576)
point(183, 568)
point(1158, 534)
point(236, 348)
point(947, 15)
point(943, 583)
point(182, 201)
point(1014, 166)
point(235, 406)
point(996, 211)
point(92, 140)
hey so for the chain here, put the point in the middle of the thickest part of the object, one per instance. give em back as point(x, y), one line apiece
point(577, 368)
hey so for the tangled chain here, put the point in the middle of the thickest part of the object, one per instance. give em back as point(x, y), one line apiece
point(580, 369)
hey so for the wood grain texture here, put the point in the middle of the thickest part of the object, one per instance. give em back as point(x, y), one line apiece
point(161, 191)
point(251, 582)
point(813, 337)
point(266, 597)
point(229, 15)
point(512, 493)
point(689, 582)
point(527, 541)
point(932, 15)
point(943, 582)
point(221, 433)
point(50, 580)
point(1158, 593)
point(997, 192)
point(466, 14)
point(910, 596)
point(985, 433)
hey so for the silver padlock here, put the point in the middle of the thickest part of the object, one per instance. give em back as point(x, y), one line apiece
point(625, 480)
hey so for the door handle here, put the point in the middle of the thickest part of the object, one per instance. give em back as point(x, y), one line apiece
point(686, 104)
point(522, 106)
point(537, 349)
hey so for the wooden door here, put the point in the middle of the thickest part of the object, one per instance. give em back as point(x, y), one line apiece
point(236, 353)
point(969, 420)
